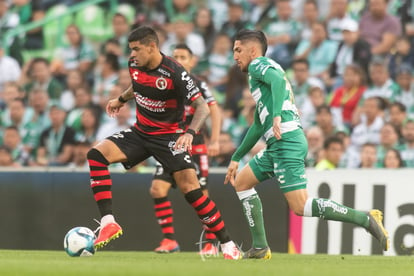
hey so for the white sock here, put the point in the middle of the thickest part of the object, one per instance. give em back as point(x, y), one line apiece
point(307, 210)
point(246, 193)
point(107, 219)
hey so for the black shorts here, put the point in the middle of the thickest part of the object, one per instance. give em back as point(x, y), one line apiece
point(138, 146)
point(199, 155)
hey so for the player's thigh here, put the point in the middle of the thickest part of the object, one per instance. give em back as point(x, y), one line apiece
point(110, 151)
point(245, 179)
point(186, 180)
point(132, 145)
point(296, 200)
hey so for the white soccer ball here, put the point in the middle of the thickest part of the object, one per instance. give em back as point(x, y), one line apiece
point(79, 242)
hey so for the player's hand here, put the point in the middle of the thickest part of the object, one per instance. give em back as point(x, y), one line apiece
point(276, 127)
point(113, 106)
point(231, 172)
point(213, 148)
point(184, 142)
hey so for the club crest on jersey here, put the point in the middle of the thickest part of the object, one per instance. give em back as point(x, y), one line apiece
point(161, 83)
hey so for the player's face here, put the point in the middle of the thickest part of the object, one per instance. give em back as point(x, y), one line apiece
point(141, 53)
point(184, 58)
point(242, 54)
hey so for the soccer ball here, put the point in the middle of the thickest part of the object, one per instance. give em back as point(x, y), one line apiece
point(79, 242)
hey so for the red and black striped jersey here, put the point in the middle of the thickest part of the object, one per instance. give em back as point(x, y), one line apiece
point(205, 92)
point(161, 95)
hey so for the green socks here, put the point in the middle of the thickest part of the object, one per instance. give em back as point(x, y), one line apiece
point(252, 207)
point(330, 210)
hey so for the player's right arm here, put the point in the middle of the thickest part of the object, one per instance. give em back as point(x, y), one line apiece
point(113, 106)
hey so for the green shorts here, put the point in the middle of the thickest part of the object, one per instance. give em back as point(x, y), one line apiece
point(285, 160)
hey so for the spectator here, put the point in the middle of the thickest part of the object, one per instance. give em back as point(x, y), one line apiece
point(324, 120)
point(204, 26)
point(346, 97)
point(150, 12)
point(310, 16)
point(319, 51)
point(302, 81)
point(9, 67)
point(353, 50)
point(333, 149)
point(315, 138)
point(120, 28)
point(308, 109)
point(397, 116)
point(368, 156)
point(338, 16)
point(112, 46)
point(10, 92)
point(90, 122)
point(9, 20)
point(368, 131)
point(407, 147)
point(105, 79)
point(124, 79)
point(379, 28)
point(381, 83)
point(259, 15)
point(79, 54)
point(74, 80)
point(393, 160)
point(6, 159)
point(79, 159)
point(405, 82)
point(13, 142)
point(39, 102)
point(83, 99)
point(41, 77)
point(219, 63)
point(282, 34)
point(402, 56)
point(388, 140)
point(235, 20)
point(183, 9)
point(57, 142)
point(182, 32)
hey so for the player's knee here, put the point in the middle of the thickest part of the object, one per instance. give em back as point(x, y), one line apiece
point(155, 192)
point(96, 155)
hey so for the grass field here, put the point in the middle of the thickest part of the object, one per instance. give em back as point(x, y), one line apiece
point(18, 262)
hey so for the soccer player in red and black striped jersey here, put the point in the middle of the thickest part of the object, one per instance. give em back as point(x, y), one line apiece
point(161, 89)
point(163, 180)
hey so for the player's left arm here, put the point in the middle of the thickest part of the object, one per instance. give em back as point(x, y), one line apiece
point(278, 87)
point(214, 146)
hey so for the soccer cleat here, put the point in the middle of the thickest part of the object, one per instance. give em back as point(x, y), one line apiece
point(258, 253)
point(231, 251)
point(108, 233)
point(167, 246)
point(377, 229)
point(209, 249)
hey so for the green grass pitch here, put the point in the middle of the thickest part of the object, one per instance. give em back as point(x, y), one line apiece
point(19, 262)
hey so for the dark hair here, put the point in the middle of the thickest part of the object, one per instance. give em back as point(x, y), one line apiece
point(112, 60)
point(398, 155)
point(183, 46)
point(252, 35)
point(332, 140)
point(323, 107)
point(300, 60)
point(401, 107)
point(144, 35)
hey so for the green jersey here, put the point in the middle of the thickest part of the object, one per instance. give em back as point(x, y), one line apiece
point(273, 95)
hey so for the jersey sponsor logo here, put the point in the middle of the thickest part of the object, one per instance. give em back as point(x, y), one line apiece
point(326, 203)
point(192, 93)
point(190, 82)
point(154, 105)
point(161, 83)
point(165, 73)
point(248, 211)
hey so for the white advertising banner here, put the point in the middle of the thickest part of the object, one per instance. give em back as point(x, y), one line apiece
point(391, 191)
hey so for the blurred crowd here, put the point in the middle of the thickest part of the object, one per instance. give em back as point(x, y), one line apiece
point(350, 63)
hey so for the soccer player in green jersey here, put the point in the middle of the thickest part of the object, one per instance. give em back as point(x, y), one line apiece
point(277, 120)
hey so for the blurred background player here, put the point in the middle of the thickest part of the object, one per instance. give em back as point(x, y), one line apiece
point(163, 181)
